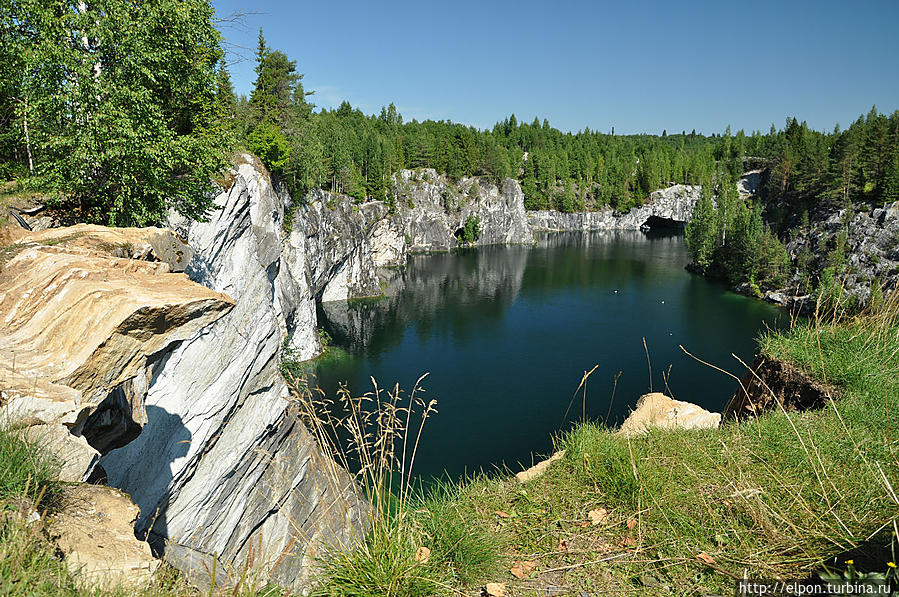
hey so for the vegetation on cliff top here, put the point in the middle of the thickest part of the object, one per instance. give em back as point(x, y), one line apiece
point(111, 107)
point(119, 137)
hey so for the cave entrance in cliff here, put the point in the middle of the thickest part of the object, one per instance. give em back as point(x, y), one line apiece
point(658, 223)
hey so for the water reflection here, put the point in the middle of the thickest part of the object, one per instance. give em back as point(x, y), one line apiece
point(507, 333)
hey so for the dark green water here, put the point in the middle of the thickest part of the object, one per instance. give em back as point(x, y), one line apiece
point(507, 333)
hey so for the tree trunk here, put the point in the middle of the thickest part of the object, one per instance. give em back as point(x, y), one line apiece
point(27, 137)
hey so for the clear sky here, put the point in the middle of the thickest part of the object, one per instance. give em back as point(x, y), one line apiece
point(640, 66)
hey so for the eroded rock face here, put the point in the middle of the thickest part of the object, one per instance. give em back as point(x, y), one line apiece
point(388, 245)
point(658, 410)
point(339, 255)
point(223, 467)
point(774, 384)
point(80, 326)
point(94, 531)
point(672, 206)
point(871, 249)
point(142, 244)
point(431, 210)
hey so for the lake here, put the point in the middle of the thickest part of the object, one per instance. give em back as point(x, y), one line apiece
point(507, 333)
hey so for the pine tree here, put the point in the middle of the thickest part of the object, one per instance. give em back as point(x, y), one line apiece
point(701, 234)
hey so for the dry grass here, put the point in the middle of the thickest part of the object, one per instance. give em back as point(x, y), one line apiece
point(413, 546)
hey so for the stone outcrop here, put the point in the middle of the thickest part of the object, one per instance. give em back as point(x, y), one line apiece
point(142, 244)
point(388, 245)
point(94, 531)
point(338, 251)
point(431, 211)
point(871, 250)
point(670, 207)
point(658, 410)
point(774, 384)
point(223, 469)
point(83, 330)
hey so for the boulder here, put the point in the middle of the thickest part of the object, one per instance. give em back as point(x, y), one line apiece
point(658, 410)
point(94, 531)
point(538, 469)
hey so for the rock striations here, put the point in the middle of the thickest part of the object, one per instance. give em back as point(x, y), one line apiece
point(431, 211)
point(336, 235)
point(82, 332)
point(223, 468)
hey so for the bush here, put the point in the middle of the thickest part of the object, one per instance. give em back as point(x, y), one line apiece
point(269, 143)
point(471, 231)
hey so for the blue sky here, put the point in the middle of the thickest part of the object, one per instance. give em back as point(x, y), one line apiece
point(639, 66)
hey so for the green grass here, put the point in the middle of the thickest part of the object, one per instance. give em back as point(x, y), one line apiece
point(26, 471)
point(423, 546)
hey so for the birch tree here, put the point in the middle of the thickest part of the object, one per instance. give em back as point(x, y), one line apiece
point(129, 124)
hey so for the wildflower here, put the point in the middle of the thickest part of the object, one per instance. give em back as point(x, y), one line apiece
point(891, 564)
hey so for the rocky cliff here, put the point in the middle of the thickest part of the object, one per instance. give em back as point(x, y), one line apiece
point(670, 207)
point(88, 316)
point(172, 381)
point(336, 235)
point(223, 468)
point(431, 210)
point(868, 241)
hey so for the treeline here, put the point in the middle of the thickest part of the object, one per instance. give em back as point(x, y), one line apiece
point(121, 111)
point(808, 172)
point(811, 170)
point(347, 151)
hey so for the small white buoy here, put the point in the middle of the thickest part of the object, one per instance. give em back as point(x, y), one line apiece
point(615, 291)
point(663, 302)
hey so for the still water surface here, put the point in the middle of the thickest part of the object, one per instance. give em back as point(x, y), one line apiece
point(508, 332)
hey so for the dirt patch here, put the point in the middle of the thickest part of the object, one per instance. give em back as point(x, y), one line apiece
point(94, 530)
point(773, 382)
